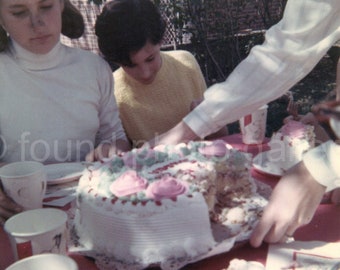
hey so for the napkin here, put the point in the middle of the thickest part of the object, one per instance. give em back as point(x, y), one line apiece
point(313, 255)
point(60, 195)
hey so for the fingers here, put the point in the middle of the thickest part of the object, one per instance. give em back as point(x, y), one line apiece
point(293, 110)
point(287, 119)
point(8, 207)
point(319, 110)
point(90, 157)
point(259, 233)
point(102, 151)
point(289, 107)
point(271, 230)
point(112, 151)
point(274, 231)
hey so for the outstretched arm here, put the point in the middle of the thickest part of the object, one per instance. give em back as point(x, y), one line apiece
point(180, 133)
point(291, 50)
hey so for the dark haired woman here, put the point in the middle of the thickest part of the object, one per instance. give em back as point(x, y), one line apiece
point(154, 89)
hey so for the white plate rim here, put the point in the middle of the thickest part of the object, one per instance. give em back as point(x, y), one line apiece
point(262, 164)
point(67, 172)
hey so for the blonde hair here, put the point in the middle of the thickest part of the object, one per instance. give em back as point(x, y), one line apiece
point(72, 25)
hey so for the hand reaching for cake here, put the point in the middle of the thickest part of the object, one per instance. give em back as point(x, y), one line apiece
point(295, 198)
point(180, 133)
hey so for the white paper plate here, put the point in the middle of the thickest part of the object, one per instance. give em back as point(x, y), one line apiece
point(63, 172)
point(262, 164)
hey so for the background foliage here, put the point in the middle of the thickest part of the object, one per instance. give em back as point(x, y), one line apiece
point(220, 33)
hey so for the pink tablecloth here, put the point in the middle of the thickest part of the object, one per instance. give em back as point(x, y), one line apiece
point(325, 226)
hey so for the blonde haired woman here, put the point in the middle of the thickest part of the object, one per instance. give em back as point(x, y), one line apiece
point(56, 102)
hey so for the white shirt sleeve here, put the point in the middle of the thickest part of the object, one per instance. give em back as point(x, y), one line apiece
point(291, 50)
point(323, 163)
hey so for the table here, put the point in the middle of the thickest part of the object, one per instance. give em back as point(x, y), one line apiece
point(325, 226)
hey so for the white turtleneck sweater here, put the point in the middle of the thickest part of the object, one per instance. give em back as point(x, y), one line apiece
point(55, 107)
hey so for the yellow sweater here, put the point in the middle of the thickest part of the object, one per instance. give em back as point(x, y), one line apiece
point(149, 110)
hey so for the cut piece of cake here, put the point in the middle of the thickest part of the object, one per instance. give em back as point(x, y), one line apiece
point(288, 145)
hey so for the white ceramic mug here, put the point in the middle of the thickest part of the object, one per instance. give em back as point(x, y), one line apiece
point(253, 126)
point(25, 183)
point(37, 231)
point(45, 261)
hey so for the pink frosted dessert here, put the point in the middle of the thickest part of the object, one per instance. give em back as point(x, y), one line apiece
point(288, 145)
point(156, 206)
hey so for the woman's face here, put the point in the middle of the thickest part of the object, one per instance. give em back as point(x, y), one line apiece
point(34, 24)
point(145, 63)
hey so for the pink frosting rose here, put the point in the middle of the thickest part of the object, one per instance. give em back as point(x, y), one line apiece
point(127, 184)
point(294, 129)
point(166, 187)
point(217, 148)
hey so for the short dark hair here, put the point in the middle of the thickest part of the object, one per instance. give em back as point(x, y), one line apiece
point(125, 26)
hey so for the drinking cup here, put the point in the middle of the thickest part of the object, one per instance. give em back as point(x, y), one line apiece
point(45, 261)
point(37, 231)
point(25, 183)
point(253, 126)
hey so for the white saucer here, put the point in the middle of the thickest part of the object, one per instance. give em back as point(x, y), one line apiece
point(262, 164)
point(63, 172)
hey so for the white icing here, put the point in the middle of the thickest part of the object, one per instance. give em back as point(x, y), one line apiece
point(239, 264)
point(135, 233)
point(286, 151)
point(138, 230)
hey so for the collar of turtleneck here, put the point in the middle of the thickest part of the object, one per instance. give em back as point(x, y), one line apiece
point(33, 61)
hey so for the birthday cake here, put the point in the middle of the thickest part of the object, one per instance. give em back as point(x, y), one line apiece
point(157, 206)
point(288, 145)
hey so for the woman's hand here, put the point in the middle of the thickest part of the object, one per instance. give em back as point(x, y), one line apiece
point(292, 204)
point(323, 111)
point(180, 133)
point(8, 207)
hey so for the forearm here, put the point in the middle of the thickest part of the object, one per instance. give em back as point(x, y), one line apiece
point(292, 204)
point(180, 133)
point(291, 50)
